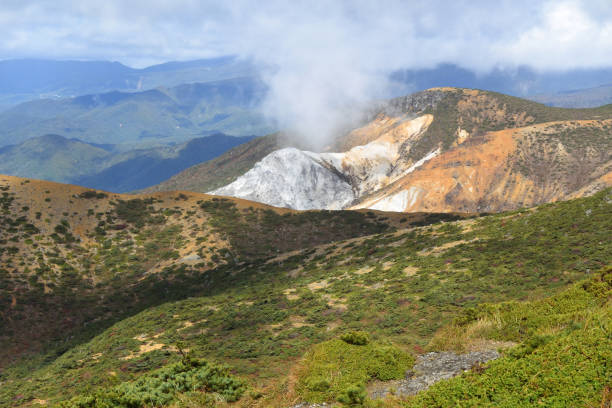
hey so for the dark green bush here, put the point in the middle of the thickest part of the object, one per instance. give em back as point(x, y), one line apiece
point(353, 396)
point(358, 338)
point(164, 386)
point(92, 194)
point(319, 385)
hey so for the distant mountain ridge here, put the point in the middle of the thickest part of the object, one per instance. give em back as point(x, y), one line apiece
point(148, 167)
point(160, 115)
point(522, 81)
point(56, 158)
point(579, 98)
point(29, 79)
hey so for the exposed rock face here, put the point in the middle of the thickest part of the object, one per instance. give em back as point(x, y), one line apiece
point(380, 162)
point(428, 370)
point(505, 170)
point(431, 368)
point(407, 159)
point(292, 178)
point(306, 180)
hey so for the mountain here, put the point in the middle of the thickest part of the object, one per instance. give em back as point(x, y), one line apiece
point(113, 300)
point(445, 149)
point(522, 81)
point(154, 116)
point(56, 158)
point(138, 169)
point(579, 98)
point(30, 79)
point(292, 178)
point(52, 157)
point(224, 169)
point(85, 249)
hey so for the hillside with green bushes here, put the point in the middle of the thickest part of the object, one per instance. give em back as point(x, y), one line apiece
point(370, 293)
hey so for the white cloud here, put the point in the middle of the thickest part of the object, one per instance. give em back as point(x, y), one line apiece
point(328, 54)
point(567, 36)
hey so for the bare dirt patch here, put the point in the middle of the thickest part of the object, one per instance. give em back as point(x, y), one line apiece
point(299, 321)
point(439, 249)
point(410, 270)
point(314, 286)
point(335, 302)
point(364, 270)
point(290, 294)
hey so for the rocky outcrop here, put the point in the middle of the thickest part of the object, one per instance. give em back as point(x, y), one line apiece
point(506, 170)
point(444, 150)
point(428, 370)
point(305, 180)
point(431, 368)
point(292, 178)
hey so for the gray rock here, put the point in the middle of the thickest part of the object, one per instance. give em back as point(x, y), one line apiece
point(294, 179)
point(431, 368)
point(191, 257)
point(428, 370)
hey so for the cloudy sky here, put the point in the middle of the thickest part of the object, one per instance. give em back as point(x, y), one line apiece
point(475, 34)
point(330, 56)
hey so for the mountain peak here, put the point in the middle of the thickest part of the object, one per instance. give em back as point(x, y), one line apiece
point(446, 149)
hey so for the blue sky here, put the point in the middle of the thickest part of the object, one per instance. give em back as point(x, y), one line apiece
point(476, 34)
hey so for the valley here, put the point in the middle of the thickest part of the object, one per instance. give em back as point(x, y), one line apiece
point(109, 167)
point(320, 204)
point(257, 287)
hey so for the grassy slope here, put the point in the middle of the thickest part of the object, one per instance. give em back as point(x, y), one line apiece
point(563, 358)
point(71, 256)
point(399, 286)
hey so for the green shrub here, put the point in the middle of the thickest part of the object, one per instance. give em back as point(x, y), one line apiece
point(563, 359)
point(358, 338)
point(333, 367)
point(319, 384)
point(353, 396)
point(92, 194)
point(164, 386)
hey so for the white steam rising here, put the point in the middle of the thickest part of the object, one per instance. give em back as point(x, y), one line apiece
point(329, 55)
point(328, 62)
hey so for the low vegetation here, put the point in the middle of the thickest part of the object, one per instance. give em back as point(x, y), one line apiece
point(339, 369)
point(266, 315)
point(562, 359)
point(190, 381)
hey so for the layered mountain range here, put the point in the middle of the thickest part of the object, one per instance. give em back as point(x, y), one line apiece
point(444, 149)
point(161, 115)
point(23, 80)
point(107, 166)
